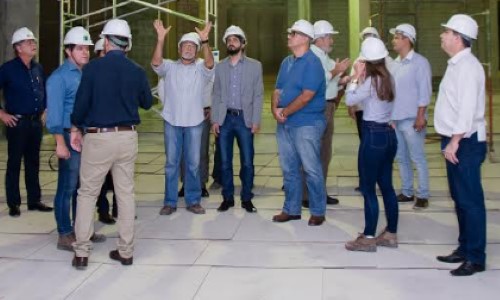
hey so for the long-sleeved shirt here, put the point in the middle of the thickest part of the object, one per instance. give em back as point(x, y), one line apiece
point(297, 74)
point(461, 98)
point(235, 73)
point(23, 87)
point(62, 85)
point(332, 83)
point(374, 109)
point(110, 93)
point(413, 85)
point(184, 91)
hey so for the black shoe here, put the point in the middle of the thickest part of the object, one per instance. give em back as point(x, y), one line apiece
point(115, 255)
point(468, 268)
point(453, 258)
point(14, 211)
point(40, 207)
point(226, 204)
point(305, 203)
point(331, 200)
point(404, 198)
point(180, 194)
point(248, 206)
point(357, 189)
point(80, 263)
point(107, 219)
point(204, 192)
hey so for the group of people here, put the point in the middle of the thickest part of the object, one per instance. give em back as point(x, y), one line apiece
point(92, 111)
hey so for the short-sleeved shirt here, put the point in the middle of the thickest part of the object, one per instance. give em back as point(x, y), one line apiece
point(297, 74)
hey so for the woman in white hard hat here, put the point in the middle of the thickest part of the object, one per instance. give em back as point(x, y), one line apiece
point(372, 85)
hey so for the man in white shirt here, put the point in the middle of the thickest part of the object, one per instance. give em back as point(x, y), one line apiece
point(459, 119)
point(185, 81)
point(413, 81)
point(321, 47)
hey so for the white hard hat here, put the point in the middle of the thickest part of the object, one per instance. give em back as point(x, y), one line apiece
point(22, 34)
point(373, 49)
point(78, 36)
point(322, 28)
point(304, 27)
point(406, 30)
point(118, 27)
point(463, 24)
point(99, 45)
point(369, 30)
point(234, 30)
point(190, 37)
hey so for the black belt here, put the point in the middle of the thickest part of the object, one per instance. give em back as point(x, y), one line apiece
point(331, 100)
point(109, 129)
point(32, 117)
point(234, 112)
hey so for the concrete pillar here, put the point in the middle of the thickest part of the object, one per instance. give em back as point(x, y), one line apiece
point(304, 9)
point(13, 15)
point(359, 16)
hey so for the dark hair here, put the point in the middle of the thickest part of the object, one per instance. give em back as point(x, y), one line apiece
point(70, 47)
point(381, 79)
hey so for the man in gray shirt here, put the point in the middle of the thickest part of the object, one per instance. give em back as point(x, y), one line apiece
point(236, 113)
point(412, 76)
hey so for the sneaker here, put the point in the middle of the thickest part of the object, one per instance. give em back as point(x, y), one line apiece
point(167, 210)
point(65, 242)
point(421, 203)
point(196, 209)
point(362, 243)
point(387, 239)
point(403, 198)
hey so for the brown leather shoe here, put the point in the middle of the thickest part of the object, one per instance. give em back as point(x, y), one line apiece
point(284, 217)
point(65, 242)
point(167, 210)
point(115, 255)
point(80, 263)
point(316, 220)
point(196, 209)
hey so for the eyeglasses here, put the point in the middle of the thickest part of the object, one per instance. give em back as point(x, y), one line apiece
point(294, 33)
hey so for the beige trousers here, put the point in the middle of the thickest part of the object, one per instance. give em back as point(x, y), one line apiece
point(101, 152)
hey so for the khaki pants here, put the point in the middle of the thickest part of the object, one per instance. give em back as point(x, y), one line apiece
point(326, 145)
point(101, 152)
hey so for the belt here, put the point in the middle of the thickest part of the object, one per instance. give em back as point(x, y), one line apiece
point(32, 117)
point(234, 112)
point(331, 100)
point(109, 129)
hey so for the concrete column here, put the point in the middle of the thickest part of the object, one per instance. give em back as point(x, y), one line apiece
point(304, 9)
point(359, 15)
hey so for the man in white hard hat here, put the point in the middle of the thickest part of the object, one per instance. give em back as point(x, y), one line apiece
point(298, 105)
point(23, 83)
point(459, 119)
point(185, 81)
point(413, 82)
point(99, 48)
point(61, 91)
point(322, 46)
point(236, 114)
point(106, 109)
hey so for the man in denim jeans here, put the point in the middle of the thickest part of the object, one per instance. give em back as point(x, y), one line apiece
point(298, 104)
point(459, 119)
point(412, 76)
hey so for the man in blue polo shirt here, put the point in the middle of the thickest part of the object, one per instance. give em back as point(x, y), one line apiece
point(22, 81)
point(298, 104)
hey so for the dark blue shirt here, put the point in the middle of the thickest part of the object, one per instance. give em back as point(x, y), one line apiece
point(23, 87)
point(110, 93)
point(297, 74)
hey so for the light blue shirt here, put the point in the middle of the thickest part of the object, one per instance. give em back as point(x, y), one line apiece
point(374, 109)
point(413, 85)
point(235, 73)
point(61, 91)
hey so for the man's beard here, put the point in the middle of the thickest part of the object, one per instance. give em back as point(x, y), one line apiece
point(233, 51)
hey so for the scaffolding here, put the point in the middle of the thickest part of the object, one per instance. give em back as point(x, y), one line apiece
point(72, 11)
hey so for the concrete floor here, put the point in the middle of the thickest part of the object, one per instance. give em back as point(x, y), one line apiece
point(235, 255)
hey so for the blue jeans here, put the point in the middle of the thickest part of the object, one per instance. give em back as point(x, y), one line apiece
point(299, 147)
point(182, 141)
point(234, 127)
point(411, 148)
point(464, 180)
point(67, 183)
point(377, 152)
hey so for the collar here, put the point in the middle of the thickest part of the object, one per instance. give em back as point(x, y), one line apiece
point(70, 65)
point(20, 61)
point(240, 61)
point(409, 56)
point(317, 50)
point(116, 52)
point(457, 57)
